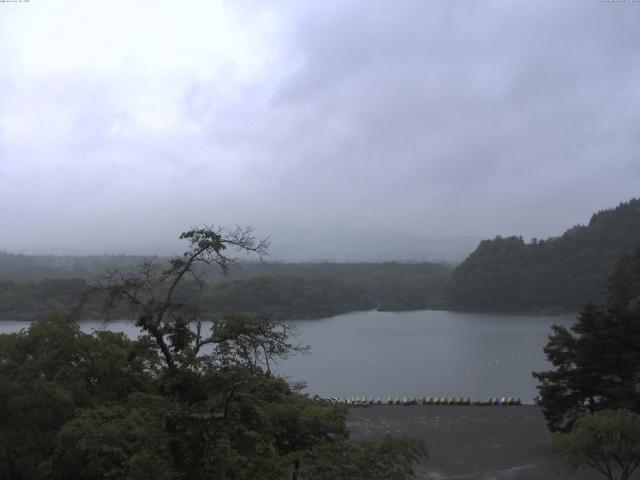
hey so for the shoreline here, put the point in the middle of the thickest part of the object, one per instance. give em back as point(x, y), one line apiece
point(470, 443)
point(17, 316)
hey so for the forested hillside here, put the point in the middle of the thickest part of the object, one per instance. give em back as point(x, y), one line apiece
point(34, 268)
point(547, 275)
point(48, 285)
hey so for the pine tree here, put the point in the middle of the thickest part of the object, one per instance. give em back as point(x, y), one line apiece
point(596, 361)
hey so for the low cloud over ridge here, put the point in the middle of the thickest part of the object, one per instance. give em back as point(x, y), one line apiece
point(121, 124)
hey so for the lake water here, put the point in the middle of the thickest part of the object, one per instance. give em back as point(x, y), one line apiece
point(422, 353)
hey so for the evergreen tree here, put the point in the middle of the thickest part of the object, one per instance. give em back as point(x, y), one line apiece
point(597, 360)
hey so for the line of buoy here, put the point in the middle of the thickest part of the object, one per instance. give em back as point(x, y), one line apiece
point(499, 362)
point(406, 401)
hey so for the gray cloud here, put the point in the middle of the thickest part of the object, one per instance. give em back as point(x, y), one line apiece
point(327, 125)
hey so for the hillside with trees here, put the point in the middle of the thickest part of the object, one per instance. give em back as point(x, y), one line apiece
point(35, 268)
point(33, 287)
point(560, 273)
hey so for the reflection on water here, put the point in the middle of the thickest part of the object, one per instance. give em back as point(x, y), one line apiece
point(433, 353)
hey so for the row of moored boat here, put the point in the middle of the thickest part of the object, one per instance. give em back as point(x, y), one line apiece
point(406, 401)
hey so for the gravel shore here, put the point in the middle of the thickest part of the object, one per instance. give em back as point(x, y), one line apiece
point(468, 442)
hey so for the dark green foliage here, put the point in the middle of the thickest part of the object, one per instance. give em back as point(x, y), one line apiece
point(624, 285)
point(290, 291)
point(559, 273)
point(51, 372)
point(111, 442)
point(182, 402)
point(79, 406)
point(597, 361)
point(36, 300)
point(287, 297)
point(341, 286)
point(607, 441)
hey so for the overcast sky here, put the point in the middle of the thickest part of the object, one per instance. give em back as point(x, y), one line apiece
point(333, 126)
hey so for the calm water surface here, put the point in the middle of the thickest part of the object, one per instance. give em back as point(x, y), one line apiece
point(433, 353)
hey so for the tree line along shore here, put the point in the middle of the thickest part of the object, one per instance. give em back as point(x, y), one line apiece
point(559, 274)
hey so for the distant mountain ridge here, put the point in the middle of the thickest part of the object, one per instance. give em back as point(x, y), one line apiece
point(560, 273)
